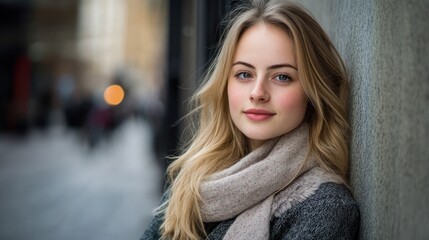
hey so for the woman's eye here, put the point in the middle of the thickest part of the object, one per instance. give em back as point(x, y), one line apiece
point(243, 75)
point(283, 78)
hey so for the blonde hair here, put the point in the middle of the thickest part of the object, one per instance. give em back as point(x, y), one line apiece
point(217, 144)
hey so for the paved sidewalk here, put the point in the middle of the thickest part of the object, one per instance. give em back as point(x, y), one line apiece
point(52, 187)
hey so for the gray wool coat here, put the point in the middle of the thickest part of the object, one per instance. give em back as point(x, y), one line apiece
point(329, 213)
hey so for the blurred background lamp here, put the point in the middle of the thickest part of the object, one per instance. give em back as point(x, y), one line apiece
point(114, 94)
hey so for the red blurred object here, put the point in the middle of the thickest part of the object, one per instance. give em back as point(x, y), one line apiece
point(20, 98)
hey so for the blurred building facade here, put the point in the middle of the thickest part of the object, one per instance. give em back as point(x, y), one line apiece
point(57, 51)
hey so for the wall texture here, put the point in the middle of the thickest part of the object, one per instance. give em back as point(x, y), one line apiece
point(384, 44)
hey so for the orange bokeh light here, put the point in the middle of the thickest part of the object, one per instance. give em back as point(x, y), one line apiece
point(114, 94)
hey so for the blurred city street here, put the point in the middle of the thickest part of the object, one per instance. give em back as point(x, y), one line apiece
point(54, 187)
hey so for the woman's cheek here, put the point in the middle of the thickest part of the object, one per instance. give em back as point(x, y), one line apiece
point(294, 102)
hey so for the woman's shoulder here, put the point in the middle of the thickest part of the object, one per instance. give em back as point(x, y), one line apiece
point(328, 196)
point(314, 184)
point(330, 213)
point(315, 208)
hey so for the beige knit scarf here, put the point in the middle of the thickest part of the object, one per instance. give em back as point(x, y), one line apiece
point(246, 190)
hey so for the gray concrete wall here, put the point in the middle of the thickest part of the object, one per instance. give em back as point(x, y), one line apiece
point(385, 47)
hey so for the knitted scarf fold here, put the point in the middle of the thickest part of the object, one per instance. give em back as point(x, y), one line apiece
point(246, 190)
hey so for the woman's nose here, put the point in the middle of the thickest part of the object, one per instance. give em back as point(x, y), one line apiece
point(259, 93)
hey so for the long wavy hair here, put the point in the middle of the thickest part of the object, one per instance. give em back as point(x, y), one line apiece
point(217, 144)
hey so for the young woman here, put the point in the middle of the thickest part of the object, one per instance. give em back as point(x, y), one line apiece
point(269, 158)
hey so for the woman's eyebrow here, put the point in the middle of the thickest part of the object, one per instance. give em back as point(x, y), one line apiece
point(270, 67)
point(282, 65)
point(244, 63)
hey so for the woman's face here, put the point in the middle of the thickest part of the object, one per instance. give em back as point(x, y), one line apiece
point(266, 99)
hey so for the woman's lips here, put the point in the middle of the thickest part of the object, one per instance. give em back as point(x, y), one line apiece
point(258, 114)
